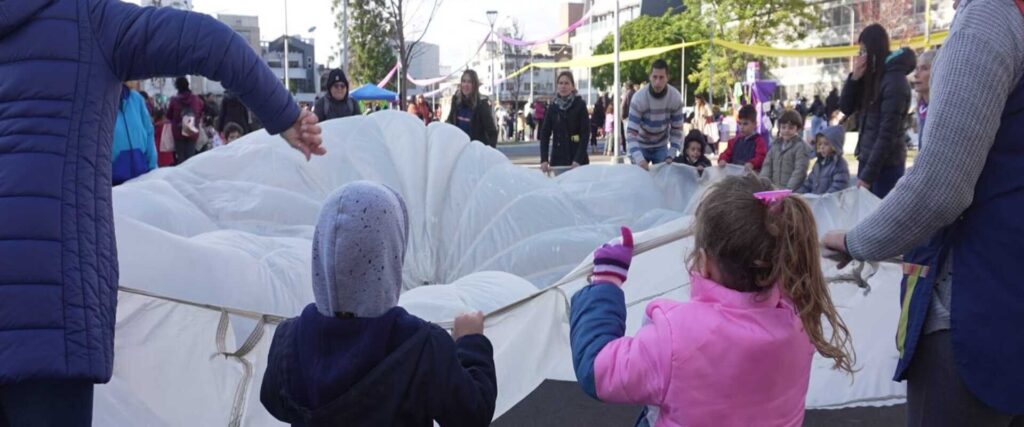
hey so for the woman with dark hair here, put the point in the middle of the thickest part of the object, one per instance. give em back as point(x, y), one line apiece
point(471, 113)
point(878, 90)
point(568, 122)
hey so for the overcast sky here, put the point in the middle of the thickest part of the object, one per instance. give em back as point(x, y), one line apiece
point(453, 27)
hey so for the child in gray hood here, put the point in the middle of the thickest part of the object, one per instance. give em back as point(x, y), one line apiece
point(354, 358)
point(830, 173)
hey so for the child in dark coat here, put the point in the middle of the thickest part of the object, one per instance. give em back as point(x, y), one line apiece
point(353, 358)
point(694, 146)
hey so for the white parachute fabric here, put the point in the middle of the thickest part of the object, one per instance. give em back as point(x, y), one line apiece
point(232, 229)
point(166, 371)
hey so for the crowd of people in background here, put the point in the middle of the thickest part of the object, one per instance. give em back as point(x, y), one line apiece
point(875, 102)
point(653, 121)
point(149, 134)
point(740, 350)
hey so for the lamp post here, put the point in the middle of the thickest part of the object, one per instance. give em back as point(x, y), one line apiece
point(682, 72)
point(492, 16)
point(711, 71)
point(853, 20)
point(618, 92)
point(316, 74)
point(590, 42)
point(853, 28)
point(285, 62)
point(532, 71)
point(344, 36)
point(927, 24)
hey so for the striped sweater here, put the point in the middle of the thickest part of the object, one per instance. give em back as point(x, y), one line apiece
point(654, 122)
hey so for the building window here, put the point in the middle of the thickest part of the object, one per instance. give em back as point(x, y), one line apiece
point(839, 16)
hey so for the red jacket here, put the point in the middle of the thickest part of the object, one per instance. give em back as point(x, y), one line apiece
point(760, 152)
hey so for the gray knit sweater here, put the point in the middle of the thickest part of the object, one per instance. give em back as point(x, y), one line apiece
point(975, 71)
point(654, 123)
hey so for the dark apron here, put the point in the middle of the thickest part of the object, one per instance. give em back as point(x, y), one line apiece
point(987, 305)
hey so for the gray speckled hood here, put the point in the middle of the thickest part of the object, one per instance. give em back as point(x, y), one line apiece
point(358, 250)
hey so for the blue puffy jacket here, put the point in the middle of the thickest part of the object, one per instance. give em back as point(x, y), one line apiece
point(134, 149)
point(61, 67)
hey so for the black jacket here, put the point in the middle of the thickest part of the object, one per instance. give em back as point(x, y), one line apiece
point(232, 110)
point(701, 161)
point(482, 125)
point(818, 108)
point(831, 103)
point(392, 370)
point(881, 124)
point(327, 108)
point(597, 116)
point(570, 130)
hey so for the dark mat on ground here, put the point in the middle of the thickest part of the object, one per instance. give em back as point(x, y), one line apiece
point(562, 403)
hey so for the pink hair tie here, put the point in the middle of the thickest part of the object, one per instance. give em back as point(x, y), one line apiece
point(772, 198)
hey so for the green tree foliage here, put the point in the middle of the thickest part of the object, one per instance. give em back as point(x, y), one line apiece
point(644, 32)
point(762, 22)
point(370, 54)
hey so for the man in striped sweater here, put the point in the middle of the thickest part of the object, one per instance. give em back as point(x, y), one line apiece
point(655, 130)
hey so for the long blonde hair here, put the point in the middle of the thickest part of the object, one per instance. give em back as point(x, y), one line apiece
point(756, 245)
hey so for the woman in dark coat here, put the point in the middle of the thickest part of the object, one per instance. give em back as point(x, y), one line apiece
point(878, 90)
point(472, 113)
point(596, 120)
point(567, 121)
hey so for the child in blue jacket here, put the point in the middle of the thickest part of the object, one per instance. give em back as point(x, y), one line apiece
point(831, 172)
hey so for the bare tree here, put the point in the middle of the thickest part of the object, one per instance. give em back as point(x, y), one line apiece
point(402, 17)
point(520, 56)
point(895, 15)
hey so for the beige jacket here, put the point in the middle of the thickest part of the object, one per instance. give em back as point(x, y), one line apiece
point(787, 162)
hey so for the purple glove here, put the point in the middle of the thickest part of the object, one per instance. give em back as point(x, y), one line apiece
point(611, 262)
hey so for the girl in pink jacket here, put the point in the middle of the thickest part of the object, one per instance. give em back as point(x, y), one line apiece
point(739, 352)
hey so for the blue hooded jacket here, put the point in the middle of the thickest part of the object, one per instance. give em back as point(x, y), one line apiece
point(62, 64)
point(829, 174)
point(134, 149)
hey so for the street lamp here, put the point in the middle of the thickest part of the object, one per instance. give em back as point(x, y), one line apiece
point(344, 36)
point(492, 16)
point(682, 71)
point(285, 62)
point(853, 28)
point(618, 93)
point(590, 43)
point(853, 20)
point(316, 73)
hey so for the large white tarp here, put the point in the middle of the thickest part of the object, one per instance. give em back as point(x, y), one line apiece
point(232, 229)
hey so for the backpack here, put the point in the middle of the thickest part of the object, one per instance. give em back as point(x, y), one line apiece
point(188, 124)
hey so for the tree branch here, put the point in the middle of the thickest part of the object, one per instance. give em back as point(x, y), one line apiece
point(430, 19)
